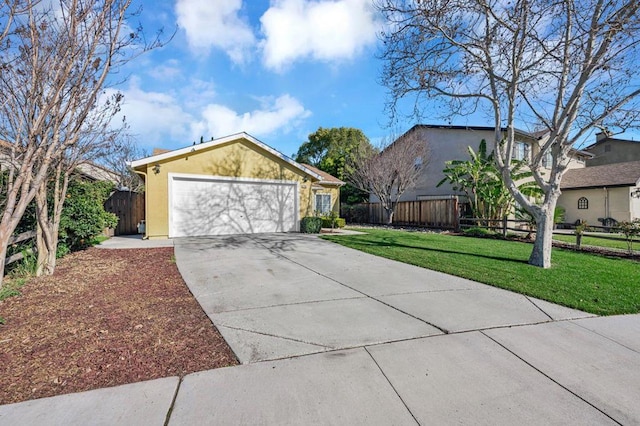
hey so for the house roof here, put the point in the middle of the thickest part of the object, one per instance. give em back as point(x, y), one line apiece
point(537, 135)
point(607, 139)
point(608, 175)
point(326, 177)
point(158, 151)
point(220, 141)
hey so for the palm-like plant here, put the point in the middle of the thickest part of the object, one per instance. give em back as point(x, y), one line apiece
point(479, 179)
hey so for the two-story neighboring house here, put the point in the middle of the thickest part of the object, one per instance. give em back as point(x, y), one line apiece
point(608, 150)
point(446, 143)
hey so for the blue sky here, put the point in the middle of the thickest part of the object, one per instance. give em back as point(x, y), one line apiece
point(277, 69)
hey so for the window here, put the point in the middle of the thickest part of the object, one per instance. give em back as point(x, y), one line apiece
point(547, 160)
point(521, 151)
point(417, 163)
point(583, 203)
point(323, 203)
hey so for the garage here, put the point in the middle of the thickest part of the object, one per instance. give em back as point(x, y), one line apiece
point(215, 205)
point(231, 185)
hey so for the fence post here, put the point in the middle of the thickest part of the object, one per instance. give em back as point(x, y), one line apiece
point(504, 226)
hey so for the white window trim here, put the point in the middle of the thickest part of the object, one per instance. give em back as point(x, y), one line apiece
point(315, 202)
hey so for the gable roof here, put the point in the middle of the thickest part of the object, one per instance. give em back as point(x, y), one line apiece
point(220, 141)
point(326, 177)
point(608, 175)
point(607, 140)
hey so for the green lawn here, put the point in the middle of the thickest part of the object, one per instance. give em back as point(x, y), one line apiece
point(598, 242)
point(603, 286)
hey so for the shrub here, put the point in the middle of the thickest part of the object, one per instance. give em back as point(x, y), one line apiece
point(480, 232)
point(83, 215)
point(340, 222)
point(311, 225)
point(630, 231)
point(357, 213)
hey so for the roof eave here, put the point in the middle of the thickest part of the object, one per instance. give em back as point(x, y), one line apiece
point(138, 164)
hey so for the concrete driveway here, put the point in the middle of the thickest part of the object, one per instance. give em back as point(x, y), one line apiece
point(329, 335)
point(281, 295)
point(393, 343)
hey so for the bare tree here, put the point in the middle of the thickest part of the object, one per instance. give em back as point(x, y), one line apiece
point(117, 160)
point(95, 140)
point(55, 63)
point(388, 172)
point(568, 64)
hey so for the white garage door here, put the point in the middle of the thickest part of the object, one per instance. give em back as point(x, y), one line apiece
point(203, 205)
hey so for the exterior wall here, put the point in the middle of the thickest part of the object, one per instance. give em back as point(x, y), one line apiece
point(334, 191)
point(609, 151)
point(635, 203)
point(235, 159)
point(603, 202)
point(445, 144)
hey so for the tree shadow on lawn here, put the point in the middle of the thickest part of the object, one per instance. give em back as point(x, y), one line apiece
point(439, 250)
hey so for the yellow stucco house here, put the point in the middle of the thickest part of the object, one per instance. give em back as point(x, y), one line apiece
point(231, 185)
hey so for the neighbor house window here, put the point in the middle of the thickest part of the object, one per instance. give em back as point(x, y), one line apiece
point(583, 203)
point(417, 163)
point(521, 151)
point(323, 203)
point(547, 160)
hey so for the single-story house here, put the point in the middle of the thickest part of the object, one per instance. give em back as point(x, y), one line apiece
point(230, 185)
point(600, 192)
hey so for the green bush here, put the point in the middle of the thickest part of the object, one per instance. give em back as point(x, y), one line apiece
point(310, 225)
point(340, 222)
point(480, 232)
point(83, 215)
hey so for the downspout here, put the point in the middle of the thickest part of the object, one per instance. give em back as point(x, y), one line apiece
point(146, 201)
point(606, 203)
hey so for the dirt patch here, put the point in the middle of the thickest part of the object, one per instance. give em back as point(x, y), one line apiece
point(105, 318)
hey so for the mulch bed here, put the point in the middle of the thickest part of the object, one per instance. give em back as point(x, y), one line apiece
point(105, 318)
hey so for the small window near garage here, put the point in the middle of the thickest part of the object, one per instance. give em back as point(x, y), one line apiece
point(323, 203)
point(583, 203)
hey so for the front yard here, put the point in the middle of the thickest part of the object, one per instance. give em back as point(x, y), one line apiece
point(105, 318)
point(591, 283)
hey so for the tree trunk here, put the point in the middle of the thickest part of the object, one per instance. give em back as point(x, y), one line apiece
point(4, 245)
point(8, 225)
point(389, 212)
point(46, 235)
point(541, 254)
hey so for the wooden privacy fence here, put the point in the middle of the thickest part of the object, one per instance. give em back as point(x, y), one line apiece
point(441, 214)
point(129, 207)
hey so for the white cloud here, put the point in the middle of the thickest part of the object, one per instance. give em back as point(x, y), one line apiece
point(216, 24)
point(169, 71)
point(321, 30)
point(279, 114)
point(155, 119)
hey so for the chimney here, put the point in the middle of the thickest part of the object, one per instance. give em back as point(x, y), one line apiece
point(604, 134)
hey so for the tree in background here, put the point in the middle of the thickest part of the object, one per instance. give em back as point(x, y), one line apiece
point(568, 64)
point(479, 179)
point(388, 172)
point(125, 150)
point(55, 59)
point(330, 150)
